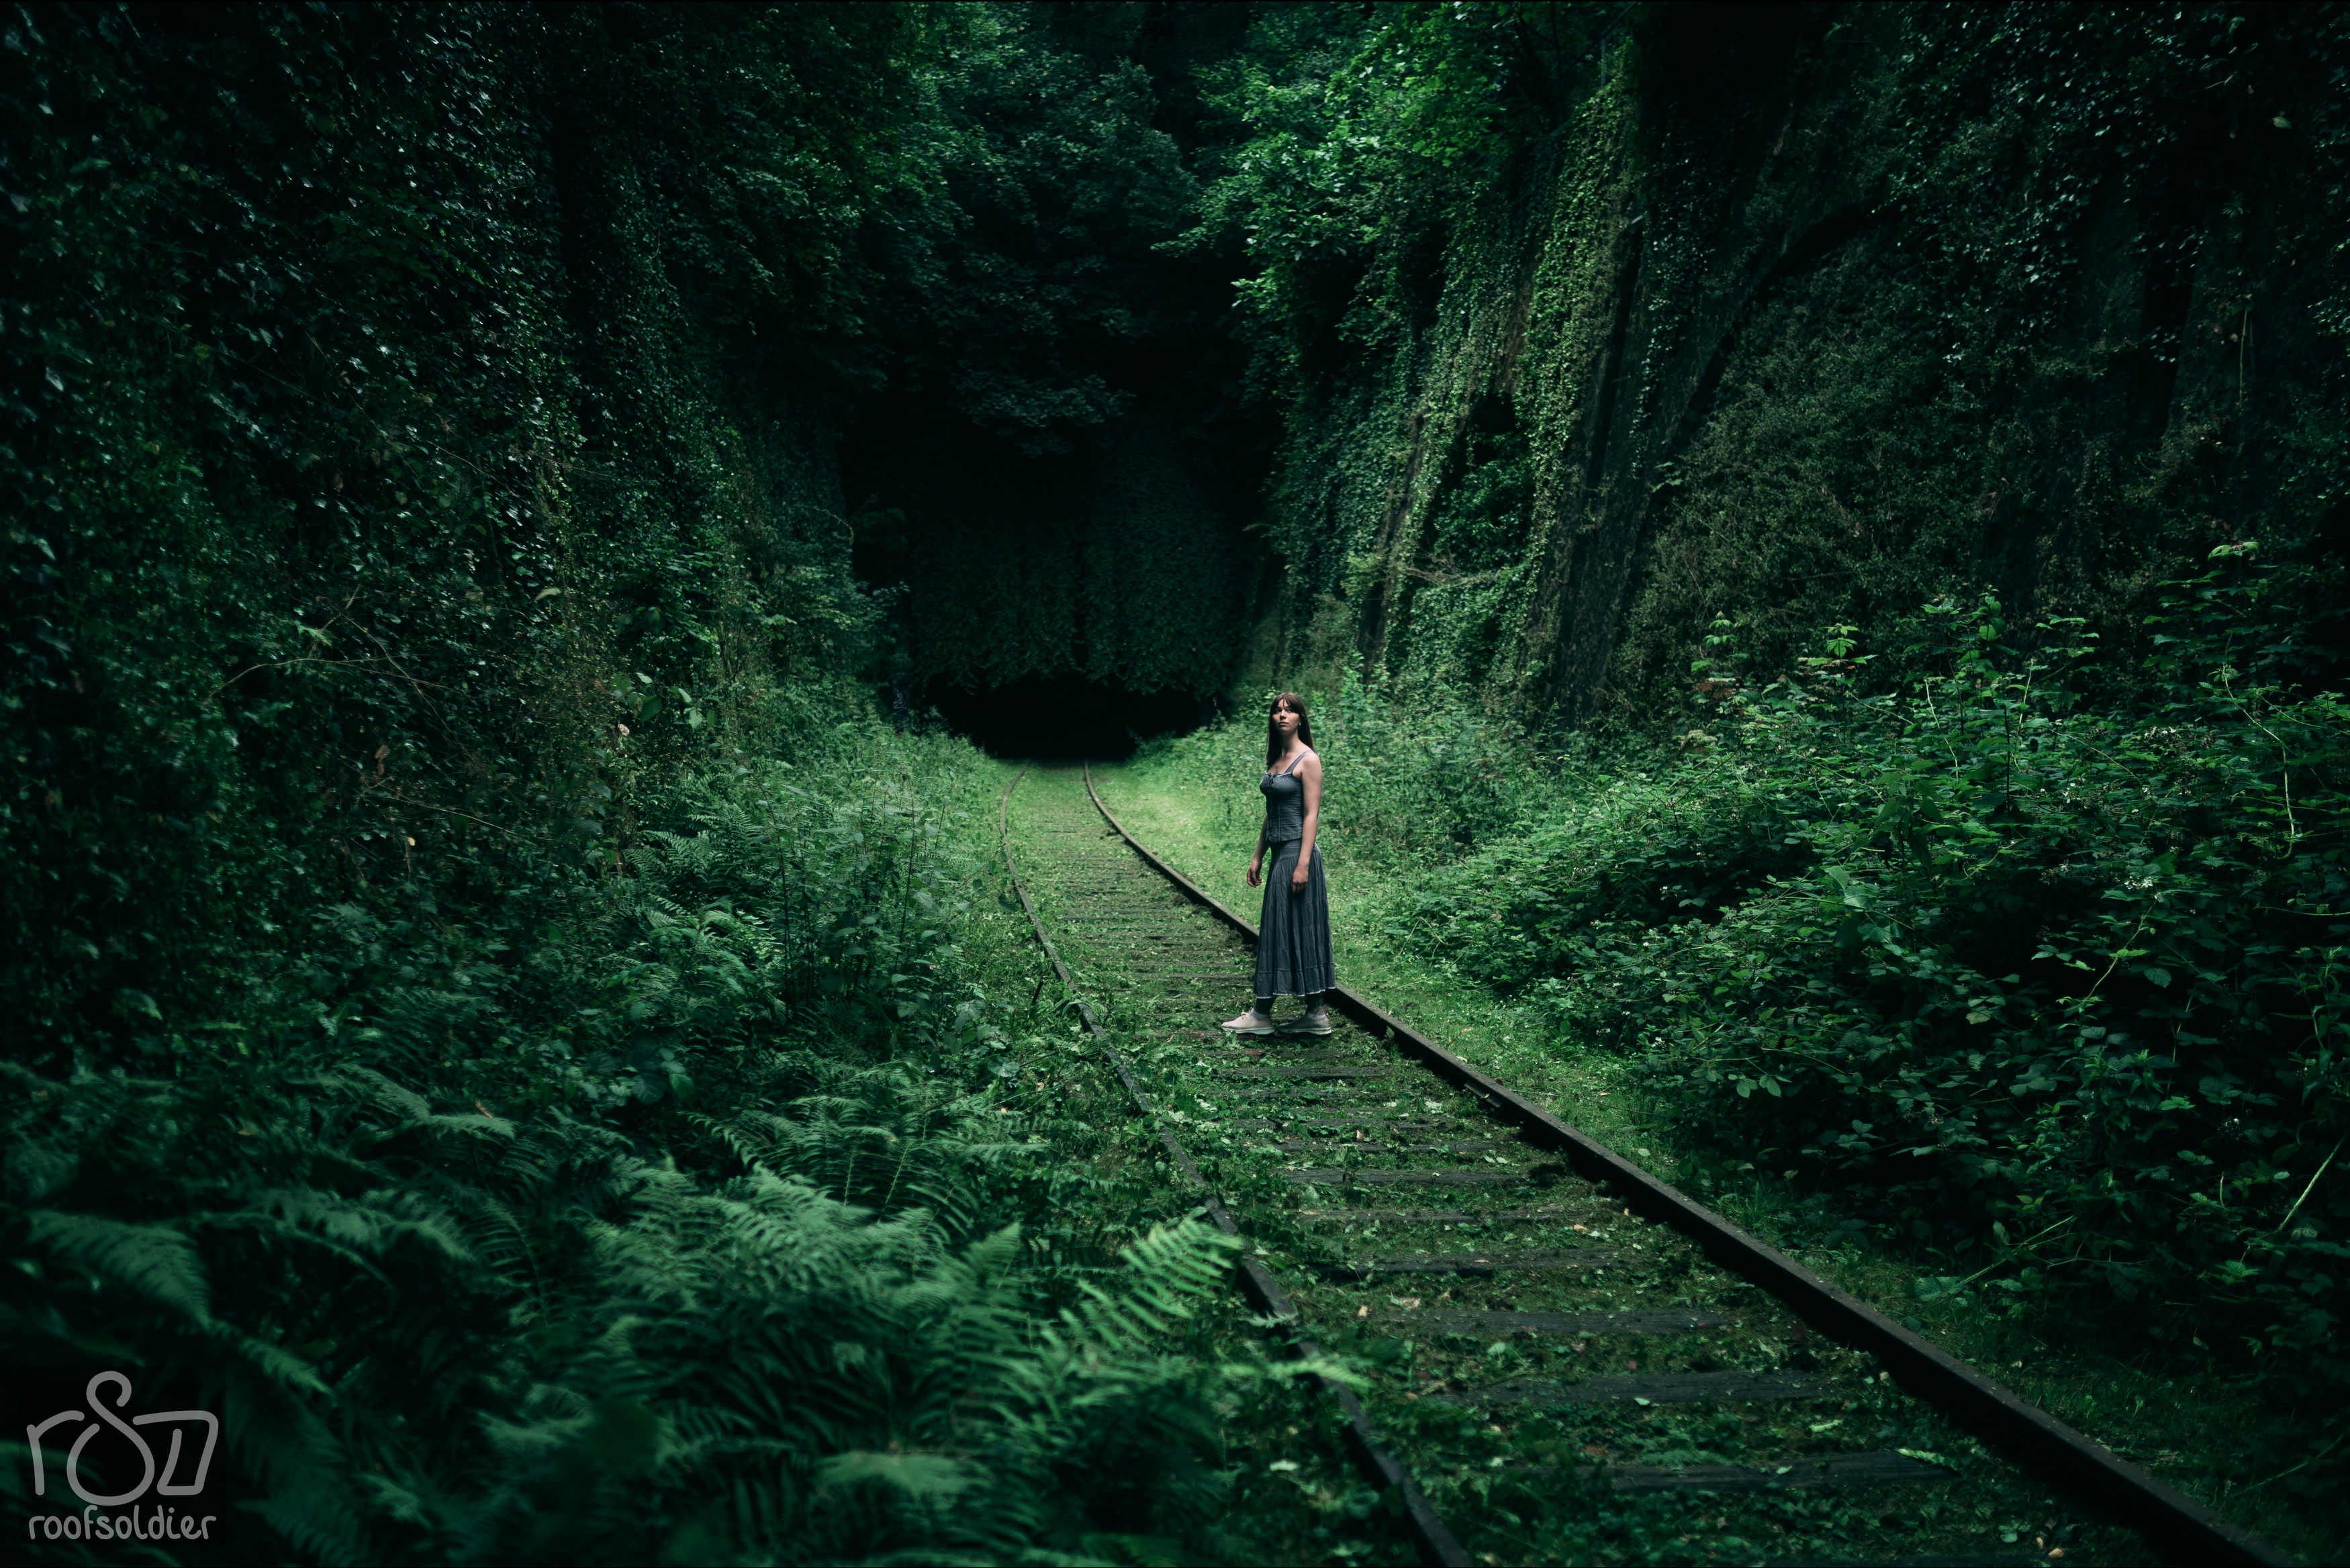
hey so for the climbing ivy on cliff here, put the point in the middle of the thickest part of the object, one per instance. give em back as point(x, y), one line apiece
point(371, 461)
point(1808, 316)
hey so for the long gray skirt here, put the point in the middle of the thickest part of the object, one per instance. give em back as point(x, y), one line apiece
point(1292, 948)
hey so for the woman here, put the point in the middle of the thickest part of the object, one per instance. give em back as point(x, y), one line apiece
point(1292, 948)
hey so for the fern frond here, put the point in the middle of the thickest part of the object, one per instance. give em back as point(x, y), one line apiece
point(358, 1229)
point(158, 1261)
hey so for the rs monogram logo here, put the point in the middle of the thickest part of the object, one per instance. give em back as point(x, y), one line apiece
point(163, 1485)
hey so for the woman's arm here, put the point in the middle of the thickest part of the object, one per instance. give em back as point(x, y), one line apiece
point(1256, 860)
point(1310, 776)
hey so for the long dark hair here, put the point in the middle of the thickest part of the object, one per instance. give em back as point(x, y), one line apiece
point(1273, 745)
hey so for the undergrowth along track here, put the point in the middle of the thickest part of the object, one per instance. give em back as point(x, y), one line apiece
point(1558, 1342)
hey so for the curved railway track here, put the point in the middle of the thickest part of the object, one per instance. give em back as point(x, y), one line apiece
point(1550, 1328)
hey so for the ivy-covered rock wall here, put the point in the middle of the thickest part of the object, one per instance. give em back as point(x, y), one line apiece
point(416, 438)
point(1790, 316)
point(429, 430)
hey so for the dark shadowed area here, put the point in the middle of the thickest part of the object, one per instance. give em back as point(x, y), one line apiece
point(1066, 716)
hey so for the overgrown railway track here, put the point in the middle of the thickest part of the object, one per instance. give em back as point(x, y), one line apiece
point(1555, 1337)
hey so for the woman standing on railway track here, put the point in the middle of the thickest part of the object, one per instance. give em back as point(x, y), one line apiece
point(1292, 948)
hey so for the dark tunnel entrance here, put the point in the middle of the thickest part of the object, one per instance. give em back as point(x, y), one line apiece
point(1066, 716)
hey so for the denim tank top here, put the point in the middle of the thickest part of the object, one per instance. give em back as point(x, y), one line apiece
point(1284, 803)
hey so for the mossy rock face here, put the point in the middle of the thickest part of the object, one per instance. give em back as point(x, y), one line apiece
point(1922, 300)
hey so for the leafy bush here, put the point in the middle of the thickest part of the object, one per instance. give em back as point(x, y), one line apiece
point(2053, 988)
point(1353, 137)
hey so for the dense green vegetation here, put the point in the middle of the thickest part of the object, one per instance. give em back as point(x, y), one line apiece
point(2035, 1001)
point(2032, 983)
point(1829, 523)
point(484, 990)
point(1796, 317)
point(653, 1244)
point(1819, 525)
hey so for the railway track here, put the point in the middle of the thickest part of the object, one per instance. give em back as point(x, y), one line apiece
point(1561, 1349)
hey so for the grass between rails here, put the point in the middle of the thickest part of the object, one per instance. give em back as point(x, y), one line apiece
point(1295, 1494)
point(2209, 1417)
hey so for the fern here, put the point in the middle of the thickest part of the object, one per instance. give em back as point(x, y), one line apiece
point(650, 1246)
point(158, 1262)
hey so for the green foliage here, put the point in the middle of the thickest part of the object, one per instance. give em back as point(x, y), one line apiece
point(1035, 246)
point(2027, 363)
point(338, 557)
point(643, 1248)
point(2052, 988)
point(1351, 135)
point(1804, 316)
point(483, 989)
point(1065, 377)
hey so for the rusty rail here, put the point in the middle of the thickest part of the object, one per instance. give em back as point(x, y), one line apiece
point(2174, 1524)
point(1437, 1545)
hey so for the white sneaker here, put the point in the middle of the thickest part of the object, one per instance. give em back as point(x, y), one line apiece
point(1251, 1023)
point(1315, 1022)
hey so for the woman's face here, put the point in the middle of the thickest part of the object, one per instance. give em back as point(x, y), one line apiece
point(1284, 720)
